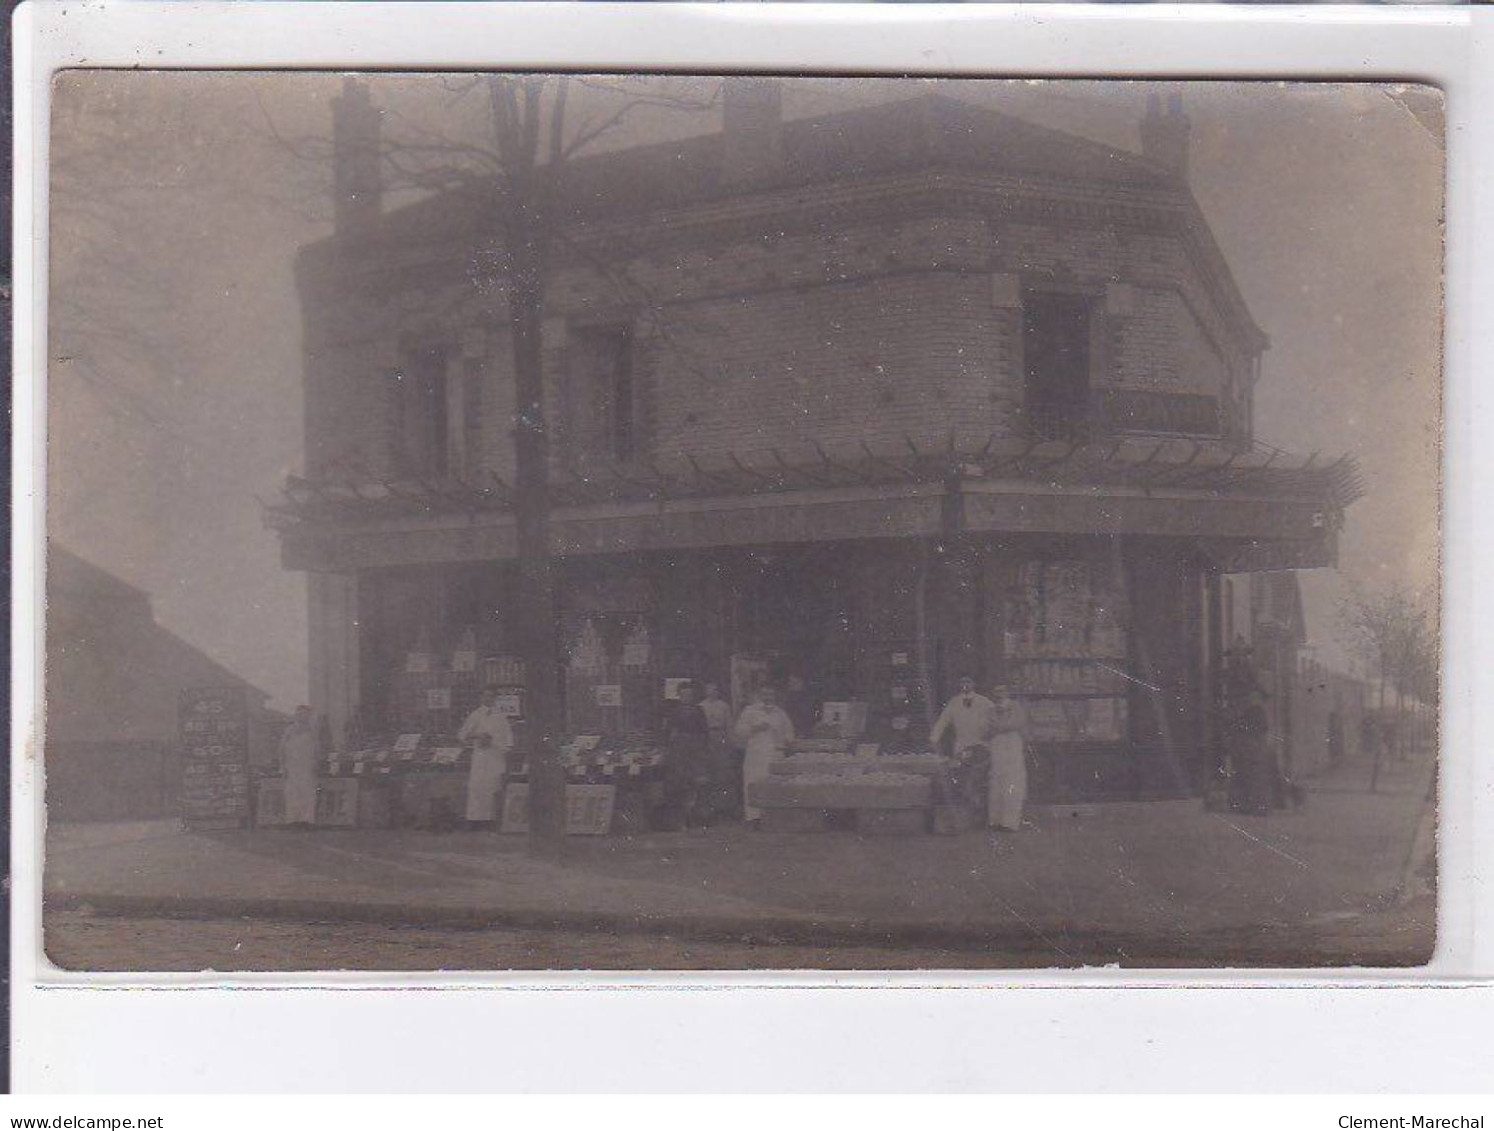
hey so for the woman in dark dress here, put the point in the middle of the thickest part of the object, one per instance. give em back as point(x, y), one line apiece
point(1254, 761)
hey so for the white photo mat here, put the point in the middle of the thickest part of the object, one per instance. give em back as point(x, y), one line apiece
point(830, 1030)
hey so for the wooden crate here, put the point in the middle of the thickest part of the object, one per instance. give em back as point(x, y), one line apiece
point(892, 822)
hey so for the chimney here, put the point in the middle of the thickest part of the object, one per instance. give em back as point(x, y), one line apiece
point(356, 188)
point(1164, 134)
point(752, 133)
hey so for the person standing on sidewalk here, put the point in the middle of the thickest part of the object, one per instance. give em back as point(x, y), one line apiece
point(1254, 762)
point(765, 732)
point(298, 763)
point(1006, 788)
point(491, 738)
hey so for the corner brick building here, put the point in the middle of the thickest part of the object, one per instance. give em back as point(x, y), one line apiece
point(873, 399)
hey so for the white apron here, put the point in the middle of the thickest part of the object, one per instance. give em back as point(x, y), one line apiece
point(763, 747)
point(489, 760)
point(1008, 780)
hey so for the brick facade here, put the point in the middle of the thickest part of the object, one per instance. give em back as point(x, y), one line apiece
point(837, 313)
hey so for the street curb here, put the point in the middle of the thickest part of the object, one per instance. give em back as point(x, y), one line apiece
point(1414, 885)
point(1056, 947)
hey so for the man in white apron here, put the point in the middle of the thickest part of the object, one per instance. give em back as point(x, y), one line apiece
point(298, 763)
point(765, 732)
point(491, 738)
point(1007, 785)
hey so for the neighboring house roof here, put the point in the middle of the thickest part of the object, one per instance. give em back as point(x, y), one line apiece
point(69, 574)
point(113, 673)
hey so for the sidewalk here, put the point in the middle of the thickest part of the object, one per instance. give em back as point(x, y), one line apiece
point(1146, 883)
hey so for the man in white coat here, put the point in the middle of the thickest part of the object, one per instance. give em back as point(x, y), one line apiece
point(491, 738)
point(969, 715)
point(765, 732)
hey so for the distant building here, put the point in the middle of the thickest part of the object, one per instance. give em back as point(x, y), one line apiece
point(113, 680)
point(890, 395)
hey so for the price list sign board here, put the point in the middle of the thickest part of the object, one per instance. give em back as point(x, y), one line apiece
point(215, 758)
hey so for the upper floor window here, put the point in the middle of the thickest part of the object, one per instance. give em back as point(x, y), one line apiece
point(601, 411)
point(1056, 355)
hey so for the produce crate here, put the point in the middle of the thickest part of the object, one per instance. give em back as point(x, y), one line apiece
point(892, 822)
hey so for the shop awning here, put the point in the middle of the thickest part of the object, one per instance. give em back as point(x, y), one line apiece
point(1136, 486)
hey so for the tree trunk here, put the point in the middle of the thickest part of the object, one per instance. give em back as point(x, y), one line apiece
point(527, 238)
point(536, 611)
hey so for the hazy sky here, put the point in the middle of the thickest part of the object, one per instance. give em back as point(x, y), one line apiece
point(176, 378)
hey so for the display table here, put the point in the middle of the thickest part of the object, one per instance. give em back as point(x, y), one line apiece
point(819, 789)
point(612, 785)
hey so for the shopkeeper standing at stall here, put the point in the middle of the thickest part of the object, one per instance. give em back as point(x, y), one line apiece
point(298, 764)
point(491, 738)
point(765, 732)
point(968, 714)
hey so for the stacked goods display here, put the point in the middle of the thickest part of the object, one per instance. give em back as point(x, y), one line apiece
point(416, 781)
point(611, 672)
point(1066, 648)
point(603, 759)
point(820, 789)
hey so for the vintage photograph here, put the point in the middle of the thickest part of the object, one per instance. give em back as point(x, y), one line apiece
point(655, 522)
